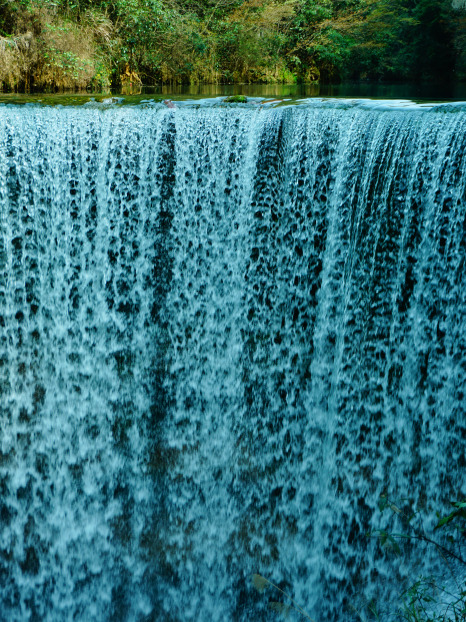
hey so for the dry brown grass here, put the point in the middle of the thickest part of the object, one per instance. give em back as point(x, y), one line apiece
point(15, 58)
point(50, 52)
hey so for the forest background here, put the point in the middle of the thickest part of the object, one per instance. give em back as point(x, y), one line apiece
point(95, 44)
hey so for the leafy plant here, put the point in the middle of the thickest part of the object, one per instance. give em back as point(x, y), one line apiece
point(428, 599)
point(416, 531)
point(236, 99)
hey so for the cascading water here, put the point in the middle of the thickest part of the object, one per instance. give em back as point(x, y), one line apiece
point(224, 333)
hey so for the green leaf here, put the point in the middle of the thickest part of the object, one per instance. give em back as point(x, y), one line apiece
point(281, 608)
point(394, 544)
point(259, 582)
point(382, 503)
point(461, 511)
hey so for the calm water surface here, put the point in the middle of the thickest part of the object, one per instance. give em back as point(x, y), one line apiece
point(416, 92)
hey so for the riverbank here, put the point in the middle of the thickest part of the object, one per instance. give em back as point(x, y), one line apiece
point(125, 44)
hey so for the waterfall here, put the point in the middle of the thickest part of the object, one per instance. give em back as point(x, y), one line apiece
point(225, 332)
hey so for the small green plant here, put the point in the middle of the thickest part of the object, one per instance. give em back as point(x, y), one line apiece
point(261, 583)
point(414, 532)
point(428, 599)
point(236, 99)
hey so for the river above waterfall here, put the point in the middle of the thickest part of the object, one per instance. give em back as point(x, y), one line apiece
point(227, 331)
point(427, 92)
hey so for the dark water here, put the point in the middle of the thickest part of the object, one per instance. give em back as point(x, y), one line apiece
point(225, 332)
point(353, 90)
point(431, 92)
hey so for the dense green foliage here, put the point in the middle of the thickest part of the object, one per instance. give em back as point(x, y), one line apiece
point(95, 43)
